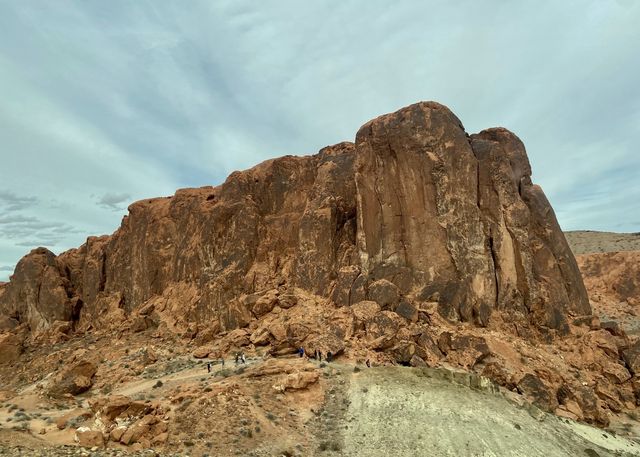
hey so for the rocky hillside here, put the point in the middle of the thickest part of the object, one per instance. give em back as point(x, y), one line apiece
point(416, 245)
point(610, 266)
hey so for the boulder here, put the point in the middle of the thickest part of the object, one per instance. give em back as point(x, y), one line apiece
point(543, 396)
point(265, 303)
point(300, 380)
point(86, 437)
point(385, 293)
point(73, 380)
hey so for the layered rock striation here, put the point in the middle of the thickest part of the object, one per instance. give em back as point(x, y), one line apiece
point(415, 211)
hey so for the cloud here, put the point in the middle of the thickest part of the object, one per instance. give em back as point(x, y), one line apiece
point(7, 268)
point(147, 97)
point(114, 201)
point(9, 201)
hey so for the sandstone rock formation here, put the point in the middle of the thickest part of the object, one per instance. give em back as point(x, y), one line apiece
point(416, 210)
point(416, 245)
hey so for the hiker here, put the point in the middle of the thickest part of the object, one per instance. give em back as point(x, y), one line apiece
point(301, 352)
point(208, 367)
point(368, 363)
point(222, 361)
point(319, 355)
point(242, 358)
point(237, 357)
point(329, 356)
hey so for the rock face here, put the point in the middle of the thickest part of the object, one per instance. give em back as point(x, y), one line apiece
point(613, 275)
point(415, 211)
point(613, 282)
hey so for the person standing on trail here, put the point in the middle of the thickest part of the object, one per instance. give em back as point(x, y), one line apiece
point(237, 357)
point(368, 363)
point(242, 358)
point(208, 367)
point(222, 361)
point(329, 356)
point(301, 352)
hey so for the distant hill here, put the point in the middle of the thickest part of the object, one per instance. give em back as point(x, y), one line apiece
point(589, 242)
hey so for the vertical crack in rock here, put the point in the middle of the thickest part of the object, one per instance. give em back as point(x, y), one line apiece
point(103, 272)
point(494, 260)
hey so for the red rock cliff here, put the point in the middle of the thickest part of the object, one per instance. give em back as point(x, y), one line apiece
point(416, 210)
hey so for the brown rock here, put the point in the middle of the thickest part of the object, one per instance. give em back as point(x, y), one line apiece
point(89, 438)
point(74, 380)
point(40, 291)
point(201, 352)
point(543, 396)
point(616, 373)
point(300, 380)
point(631, 356)
point(160, 438)
point(134, 433)
point(381, 329)
point(116, 433)
point(429, 350)
point(385, 293)
point(11, 347)
point(266, 303)
point(407, 310)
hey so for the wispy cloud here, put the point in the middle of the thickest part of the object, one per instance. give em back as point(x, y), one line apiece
point(114, 201)
point(106, 103)
point(9, 201)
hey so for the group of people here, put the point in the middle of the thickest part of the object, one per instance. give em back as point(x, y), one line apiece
point(316, 355)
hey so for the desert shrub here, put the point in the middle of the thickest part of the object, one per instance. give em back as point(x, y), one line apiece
point(157, 384)
point(356, 369)
point(75, 422)
point(224, 373)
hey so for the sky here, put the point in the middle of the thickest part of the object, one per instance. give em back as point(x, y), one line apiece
point(105, 103)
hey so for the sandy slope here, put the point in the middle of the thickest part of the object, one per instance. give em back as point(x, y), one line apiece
point(408, 412)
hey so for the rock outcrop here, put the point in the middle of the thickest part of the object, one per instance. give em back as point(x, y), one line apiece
point(416, 210)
